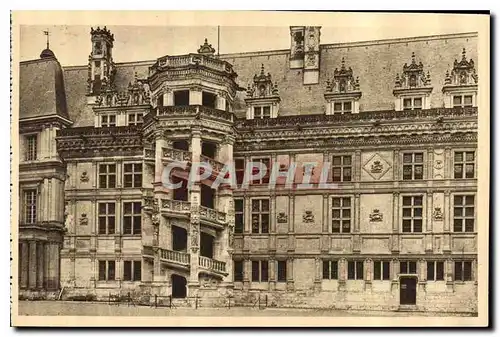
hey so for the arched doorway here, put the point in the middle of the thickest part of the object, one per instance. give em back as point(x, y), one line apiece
point(178, 286)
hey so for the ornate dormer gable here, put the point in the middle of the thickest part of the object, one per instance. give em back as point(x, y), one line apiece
point(460, 86)
point(412, 88)
point(262, 96)
point(206, 49)
point(342, 92)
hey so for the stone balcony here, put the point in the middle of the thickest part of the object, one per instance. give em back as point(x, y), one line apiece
point(212, 217)
point(175, 257)
point(195, 112)
point(176, 208)
point(212, 265)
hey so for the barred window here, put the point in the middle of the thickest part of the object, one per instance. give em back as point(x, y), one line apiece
point(340, 108)
point(413, 103)
point(132, 218)
point(435, 270)
point(260, 271)
point(31, 147)
point(355, 270)
point(107, 175)
point(131, 270)
point(262, 112)
point(132, 175)
point(464, 164)
point(381, 270)
point(408, 267)
point(412, 214)
point(342, 168)
point(462, 101)
point(30, 209)
point(463, 271)
point(107, 215)
point(463, 213)
point(239, 215)
point(281, 271)
point(341, 215)
point(413, 166)
point(260, 216)
point(330, 270)
point(108, 120)
point(106, 270)
point(135, 119)
point(238, 271)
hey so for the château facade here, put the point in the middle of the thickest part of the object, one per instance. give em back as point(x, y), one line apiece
point(394, 228)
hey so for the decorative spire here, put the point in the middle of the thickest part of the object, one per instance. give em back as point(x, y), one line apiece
point(206, 49)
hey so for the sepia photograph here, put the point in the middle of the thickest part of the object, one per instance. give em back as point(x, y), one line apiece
point(209, 169)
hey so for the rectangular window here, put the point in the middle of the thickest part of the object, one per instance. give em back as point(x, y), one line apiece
point(260, 271)
point(342, 168)
point(408, 267)
point(463, 213)
point(381, 270)
point(106, 217)
point(239, 168)
point(108, 120)
point(464, 164)
point(261, 112)
point(131, 270)
point(135, 119)
point(266, 162)
point(208, 99)
point(107, 175)
point(106, 270)
point(281, 271)
point(238, 271)
point(413, 166)
point(132, 175)
point(181, 97)
point(340, 108)
point(463, 271)
point(132, 218)
point(412, 214)
point(260, 216)
point(31, 147)
point(435, 270)
point(341, 215)
point(413, 103)
point(30, 197)
point(462, 101)
point(239, 215)
point(355, 270)
point(330, 270)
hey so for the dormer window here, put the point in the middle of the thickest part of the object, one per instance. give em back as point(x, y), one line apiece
point(462, 101)
point(262, 97)
point(108, 120)
point(412, 88)
point(412, 103)
point(134, 119)
point(342, 92)
point(460, 85)
point(262, 112)
point(340, 108)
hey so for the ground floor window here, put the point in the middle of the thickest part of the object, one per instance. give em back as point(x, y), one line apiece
point(281, 271)
point(355, 270)
point(330, 270)
point(260, 271)
point(132, 270)
point(435, 270)
point(238, 271)
point(106, 270)
point(381, 270)
point(463, 271)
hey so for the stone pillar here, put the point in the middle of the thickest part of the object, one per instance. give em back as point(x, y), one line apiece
point(395, 222)
point(194, 226)
point(32, 265)
point(447, 221)
point(342, 274)
point(357, 166)
point(195, 96)
point(40, 265)
point(160, 143)
point(272, 273)
point(429, 174)
point(24, 271)
point(368, 275)
point(317, 273)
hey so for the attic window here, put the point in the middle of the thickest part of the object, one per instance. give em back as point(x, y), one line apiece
point(462, 101)
point(413, 103)
point(340, 108)
point(108, 120)
point(262, 112)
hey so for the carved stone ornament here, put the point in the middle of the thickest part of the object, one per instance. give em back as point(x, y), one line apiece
point(84, 177)
point(262, 86)
point(138, 93)
point(155, 212)
point(282, 217)
point(84, 220)
point(206, 49)
point(377, 167)
point(343, 80)
point(437, 214)
point(413, 76)
point(463, 73)
point(308, 217)
point(376, 216)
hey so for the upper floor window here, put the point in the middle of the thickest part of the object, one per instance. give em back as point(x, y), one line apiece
point(181, 97)
point(342, 168)
point(239, 168)
point(355, 270)
point(412, 214)
point(464, 163)
point(238, 271)
point(132, 175)
point(261, 112)
point(209, 99)
point(281, 271)
point(265, 162)
point(412, 103)
point(30, 197)
point(132, 218)
point(381, 270)
point(131, 270)
point(408, 267)
point(108, 120)
point(462, 101)
point(435, 270)
point(135, 119)
point(413, 166)
point(341, 215)
point(31, 147)
point(106, 270)
point(107, 175)
point(239, 216)
point(340, 108)
point(260, 271)
point(106, 218)
point(463, 213)
point(330, 270)
point(260, 216)
point(463, 271)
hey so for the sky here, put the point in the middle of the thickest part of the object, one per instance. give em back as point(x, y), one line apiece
point(71, 43)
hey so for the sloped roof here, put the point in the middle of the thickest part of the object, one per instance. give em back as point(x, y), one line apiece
point(376, 63)
point(42, 89)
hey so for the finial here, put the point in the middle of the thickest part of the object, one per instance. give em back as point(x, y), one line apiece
point(262, 69)
point(463, 54)
point(343, 63)
point(46, 33)
point(413, 57)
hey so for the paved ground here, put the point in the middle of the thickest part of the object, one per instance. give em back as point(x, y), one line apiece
point(62, 308)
